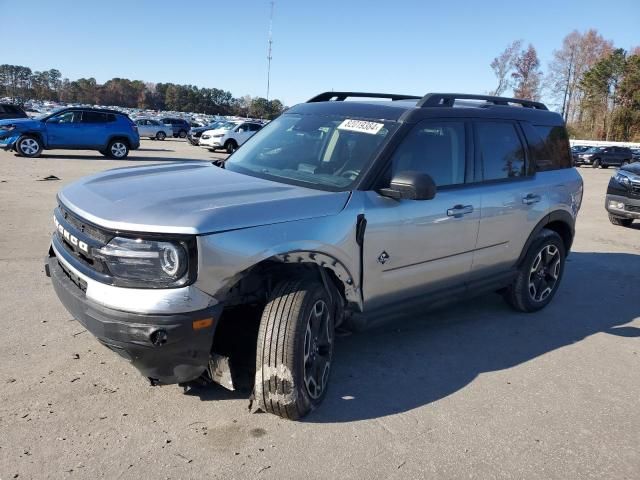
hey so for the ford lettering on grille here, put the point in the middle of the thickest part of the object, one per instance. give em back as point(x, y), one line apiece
point(64, 233)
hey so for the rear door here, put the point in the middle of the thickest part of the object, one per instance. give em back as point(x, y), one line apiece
point(417, 247)
point(513, 199)
point(94, 130)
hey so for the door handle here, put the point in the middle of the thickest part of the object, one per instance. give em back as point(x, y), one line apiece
point(531, 198)
point(459, 210)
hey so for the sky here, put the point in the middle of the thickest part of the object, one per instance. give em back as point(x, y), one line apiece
point(400, 46)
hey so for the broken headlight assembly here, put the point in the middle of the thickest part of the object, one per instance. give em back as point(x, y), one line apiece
point(144, 263)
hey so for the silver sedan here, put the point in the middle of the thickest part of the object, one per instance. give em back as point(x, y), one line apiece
point(148, 127)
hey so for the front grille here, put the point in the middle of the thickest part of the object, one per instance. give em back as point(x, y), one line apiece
point(85, 227)
point(632, 208)
point(635, 188)
point(78, 233)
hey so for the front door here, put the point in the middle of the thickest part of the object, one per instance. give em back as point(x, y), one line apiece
point(416, 247)
point(62, 129)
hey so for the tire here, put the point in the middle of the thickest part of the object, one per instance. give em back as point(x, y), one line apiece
point(539, 275)
point(620, 222)
point(161, 136)
point(29, 146)
point(596, 163)
point(604, 166)
point(182, 134)
point(231, 146)
point(118, 149)
point(294, 349)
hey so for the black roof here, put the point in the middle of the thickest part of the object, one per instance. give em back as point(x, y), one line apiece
point(411, 109)
point(92, 109)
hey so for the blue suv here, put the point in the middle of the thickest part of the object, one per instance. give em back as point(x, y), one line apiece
point(108, 131)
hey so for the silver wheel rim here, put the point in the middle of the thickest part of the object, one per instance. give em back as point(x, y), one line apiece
point(318, 348)
point(29, 146)
point(118, 149)
point(544, 273)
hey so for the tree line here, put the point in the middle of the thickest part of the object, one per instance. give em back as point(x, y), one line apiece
point(21, 84)
point(593, 84)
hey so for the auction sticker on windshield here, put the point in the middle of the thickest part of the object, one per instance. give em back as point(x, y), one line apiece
point(361, 126)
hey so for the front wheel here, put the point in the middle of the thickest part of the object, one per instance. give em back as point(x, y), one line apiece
point(118, 149)
point(294, 349)
point(539, 275)
point(161, 136)
point(596, 163)
point(29, 146)
point(231, 146)
point(620, 222)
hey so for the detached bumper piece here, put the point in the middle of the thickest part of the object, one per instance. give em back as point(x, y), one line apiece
point(164, 348)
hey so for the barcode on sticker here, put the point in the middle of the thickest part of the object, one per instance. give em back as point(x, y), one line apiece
point(361, 126)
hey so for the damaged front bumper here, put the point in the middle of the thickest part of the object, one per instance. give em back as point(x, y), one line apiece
point(8, 140)
point(165, 347)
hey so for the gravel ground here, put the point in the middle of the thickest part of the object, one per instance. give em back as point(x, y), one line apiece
point(473, 390)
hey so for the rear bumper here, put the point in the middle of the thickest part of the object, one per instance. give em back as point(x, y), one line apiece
point(164, 348)
point(630, 206)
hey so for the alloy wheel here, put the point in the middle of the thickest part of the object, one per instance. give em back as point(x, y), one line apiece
point(544, 273)
point(318, 349)
point(29, 146)
point(118, 149)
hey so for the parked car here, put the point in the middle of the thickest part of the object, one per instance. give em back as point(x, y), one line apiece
point(635, 154)
point(110, 132)
point(604, 157)
point(338, 214)
point(195, 133)
point(9, 110)
point(179, 126)
point(148, 127)
point(623, 196)
point(229, 135)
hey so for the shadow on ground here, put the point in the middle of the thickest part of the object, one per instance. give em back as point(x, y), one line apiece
point(417, 360)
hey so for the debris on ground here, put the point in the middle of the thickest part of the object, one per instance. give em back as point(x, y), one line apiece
point(48, 179)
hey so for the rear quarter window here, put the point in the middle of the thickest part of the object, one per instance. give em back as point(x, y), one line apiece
point(549, 147)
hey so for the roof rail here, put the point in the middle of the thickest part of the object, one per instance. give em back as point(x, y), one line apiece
point(341, 96)
point(448, 99)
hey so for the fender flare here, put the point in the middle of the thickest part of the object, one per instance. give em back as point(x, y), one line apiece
point(556, 216)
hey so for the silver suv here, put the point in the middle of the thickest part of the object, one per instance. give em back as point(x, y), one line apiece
point(336, 215)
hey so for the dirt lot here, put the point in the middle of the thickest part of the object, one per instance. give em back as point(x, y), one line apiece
point(473, 391)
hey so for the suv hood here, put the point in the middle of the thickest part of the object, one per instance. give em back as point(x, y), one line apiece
point(632, 168)
point(192, 198)
point(20, 122)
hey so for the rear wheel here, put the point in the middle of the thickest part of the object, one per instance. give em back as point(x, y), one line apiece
point(29, 146)
point(539, 275)
point(118, 149)
point(182, 134)
point(231, 146)
point(619, 221)
point(161, 136)
point(294, 349)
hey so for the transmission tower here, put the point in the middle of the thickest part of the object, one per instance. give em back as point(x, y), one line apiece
point(269, 56)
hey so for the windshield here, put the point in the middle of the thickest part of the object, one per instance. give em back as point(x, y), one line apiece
point(593, 150)
point(325, 152)
point(227, 126)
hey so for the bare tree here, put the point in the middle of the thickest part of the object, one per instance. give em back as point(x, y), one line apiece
point(502, 66)
point(526, 74)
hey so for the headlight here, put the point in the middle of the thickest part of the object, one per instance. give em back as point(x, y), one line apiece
point(205, 137)
point(146, 263)
point(218, 135)
point(622, 179)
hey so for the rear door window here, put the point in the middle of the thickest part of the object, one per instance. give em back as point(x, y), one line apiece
point(500, 150)
point(93, 117)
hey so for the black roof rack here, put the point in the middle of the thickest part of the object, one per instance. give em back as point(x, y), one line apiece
point(448, 99)
point(341, 96)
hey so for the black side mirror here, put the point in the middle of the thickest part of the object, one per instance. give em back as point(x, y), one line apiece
point(410, 185)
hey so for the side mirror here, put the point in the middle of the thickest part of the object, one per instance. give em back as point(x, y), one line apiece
point(410, 185)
